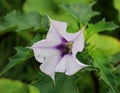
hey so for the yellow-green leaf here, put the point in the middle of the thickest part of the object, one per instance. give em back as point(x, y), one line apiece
point(108, 44)
point(12, 86)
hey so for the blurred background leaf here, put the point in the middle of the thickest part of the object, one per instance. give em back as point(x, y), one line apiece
point(30, 21)
point(99, 27)
point(9, 86)
point(62, 84)
point(82, 13)
point(22, 55)
point(53, 9)
point(117, 6)
point(9, 5)
point(108, 44)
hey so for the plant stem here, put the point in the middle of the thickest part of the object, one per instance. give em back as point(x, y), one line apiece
point(96, 82)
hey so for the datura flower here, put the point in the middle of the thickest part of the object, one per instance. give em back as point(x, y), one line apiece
point(57, 52)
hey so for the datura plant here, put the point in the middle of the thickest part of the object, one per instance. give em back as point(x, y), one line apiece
point(55, 56)
point(57, 52)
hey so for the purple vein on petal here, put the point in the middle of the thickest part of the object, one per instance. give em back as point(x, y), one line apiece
point(61, 37)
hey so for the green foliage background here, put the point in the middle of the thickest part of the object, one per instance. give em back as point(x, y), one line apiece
point(23, 22)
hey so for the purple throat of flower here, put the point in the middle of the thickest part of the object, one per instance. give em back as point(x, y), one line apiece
point(65, 48)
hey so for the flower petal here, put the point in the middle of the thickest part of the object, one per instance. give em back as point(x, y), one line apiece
point(78, 43)
point(43, 49)
point(61, 65)
point(44, 44)
point(56, 31)
point(73, 65)
point(50, 64)
point(73, 36)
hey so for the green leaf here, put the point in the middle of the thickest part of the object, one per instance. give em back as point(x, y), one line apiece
point(51, 8)
point(116, 4)
point(116, 63)
point(33, 89)
point(9, 86)
point(101, 62)
point(22, 55)
point(82, 13)
point(100, 26)
point(108, 44)
point(116, 59)
point(63, 84)
point(46, 6)
point(23, 21)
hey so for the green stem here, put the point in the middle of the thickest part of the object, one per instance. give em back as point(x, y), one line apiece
point(96, 82)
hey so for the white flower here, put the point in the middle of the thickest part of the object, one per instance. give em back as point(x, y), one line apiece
point(57, 52)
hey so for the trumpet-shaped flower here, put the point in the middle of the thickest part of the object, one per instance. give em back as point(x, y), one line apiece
point(57, 52)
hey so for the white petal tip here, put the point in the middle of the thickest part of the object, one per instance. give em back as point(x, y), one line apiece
point(44, 70)
point(83, 66)
point(68, 74)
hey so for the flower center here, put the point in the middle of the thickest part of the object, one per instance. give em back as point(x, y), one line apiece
point(65, 48)
point(69, 47)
